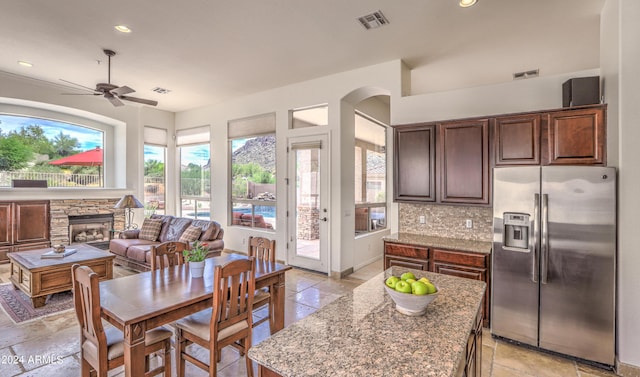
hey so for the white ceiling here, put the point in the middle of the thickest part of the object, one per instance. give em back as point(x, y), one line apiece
point(206, 51)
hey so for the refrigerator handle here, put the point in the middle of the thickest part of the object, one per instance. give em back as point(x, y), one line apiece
point(544, 250)
point(536, 237)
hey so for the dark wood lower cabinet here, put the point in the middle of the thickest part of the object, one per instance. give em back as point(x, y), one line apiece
point(463, 264)
point(24, 225)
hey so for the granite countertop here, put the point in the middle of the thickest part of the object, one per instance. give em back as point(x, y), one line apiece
point(482, 247)
point(362, 334)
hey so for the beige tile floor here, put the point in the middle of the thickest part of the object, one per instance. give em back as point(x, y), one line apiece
point(306, 292)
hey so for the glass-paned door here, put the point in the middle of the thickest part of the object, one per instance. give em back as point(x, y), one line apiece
point(308, 203)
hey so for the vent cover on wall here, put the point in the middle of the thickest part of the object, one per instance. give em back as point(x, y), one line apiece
point(373, 20)
point(526, 74)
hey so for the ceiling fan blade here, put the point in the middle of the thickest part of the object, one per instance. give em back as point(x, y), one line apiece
point(82, 86)
point(122, 90)
point(113, 99)
point(81, 94)
point(140, 100)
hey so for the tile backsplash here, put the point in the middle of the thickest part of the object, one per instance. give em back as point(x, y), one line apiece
point(447, 221)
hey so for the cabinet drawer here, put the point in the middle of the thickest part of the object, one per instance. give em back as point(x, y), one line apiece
point(406, 251)
point(390, 260)
point(462, 258)
point(460, 271)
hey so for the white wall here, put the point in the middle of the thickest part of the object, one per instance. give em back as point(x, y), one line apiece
point(539, 93)
point(620, 64)
point(378, 79)
point(125, 157)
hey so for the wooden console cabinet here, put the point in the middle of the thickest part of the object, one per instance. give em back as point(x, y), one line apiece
point(463, 264)
point(24, 225)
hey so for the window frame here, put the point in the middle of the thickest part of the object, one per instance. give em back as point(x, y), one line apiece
point(371, 224)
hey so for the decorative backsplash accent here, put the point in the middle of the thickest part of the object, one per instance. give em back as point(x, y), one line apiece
point(447, 221)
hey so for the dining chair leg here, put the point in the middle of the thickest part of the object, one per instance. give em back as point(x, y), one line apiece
point(249, 366)
point(166, 358)
point(213, 361)
point(181, 344)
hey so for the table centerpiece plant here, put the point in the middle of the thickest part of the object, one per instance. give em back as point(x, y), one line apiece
point(195, 256)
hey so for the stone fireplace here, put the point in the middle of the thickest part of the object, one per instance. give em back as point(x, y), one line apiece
point(69, 219)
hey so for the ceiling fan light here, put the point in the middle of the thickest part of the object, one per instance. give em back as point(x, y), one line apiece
point(25, 63)
point(467, 3)
point(122, 28)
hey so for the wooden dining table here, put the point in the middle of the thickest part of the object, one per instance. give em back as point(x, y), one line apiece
point(144, 301)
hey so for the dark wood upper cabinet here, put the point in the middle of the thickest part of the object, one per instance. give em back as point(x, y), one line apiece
point(516, 140)
point(576, 137)
point(464, 162)
point(414, 163)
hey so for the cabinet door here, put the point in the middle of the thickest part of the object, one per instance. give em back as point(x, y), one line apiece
point(5, 224)
point(516, 140)
point(576, 137)
point(31, 221)
point(464, 162)
point(414, 163)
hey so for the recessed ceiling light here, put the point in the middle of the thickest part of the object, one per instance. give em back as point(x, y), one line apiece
point(25, 64)
point(122, 28)
point(467, 3)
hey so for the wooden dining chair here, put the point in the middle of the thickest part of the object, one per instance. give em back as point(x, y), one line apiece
point(264, 250)
point(167, 254)
point(227, 323)
point(102, 349)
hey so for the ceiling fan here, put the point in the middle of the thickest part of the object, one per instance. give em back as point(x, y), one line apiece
point(112, 92)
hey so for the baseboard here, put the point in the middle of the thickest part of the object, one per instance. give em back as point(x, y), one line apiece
point(627, 370)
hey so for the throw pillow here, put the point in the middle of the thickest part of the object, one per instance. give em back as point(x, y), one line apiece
point(190, 234)
point(150, 229)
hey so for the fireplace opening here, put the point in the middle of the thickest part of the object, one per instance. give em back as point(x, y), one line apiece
point(94, 230)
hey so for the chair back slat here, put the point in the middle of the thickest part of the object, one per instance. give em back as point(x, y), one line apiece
point(86, 295)
point(167, 254)
point(262, 248)
point(234, 286)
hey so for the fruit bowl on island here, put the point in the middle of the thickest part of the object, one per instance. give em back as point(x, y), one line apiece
point(410, 298)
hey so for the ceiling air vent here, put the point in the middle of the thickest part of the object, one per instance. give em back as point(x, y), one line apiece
point(526, 74)
point(160, 90)
point(373, 20)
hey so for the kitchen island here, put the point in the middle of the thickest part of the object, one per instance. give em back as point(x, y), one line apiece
point(362, 334)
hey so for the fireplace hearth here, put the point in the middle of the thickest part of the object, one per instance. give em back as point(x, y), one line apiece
point(92, 229)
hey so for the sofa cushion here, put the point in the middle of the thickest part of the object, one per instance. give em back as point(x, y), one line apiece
point(150, 229)
point(190, 234)
point(166, 220)
point(176, 227)
point(119, 246)
point(139, 253)
point(210, 229)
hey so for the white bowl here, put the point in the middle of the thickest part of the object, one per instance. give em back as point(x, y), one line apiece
point(410, 304)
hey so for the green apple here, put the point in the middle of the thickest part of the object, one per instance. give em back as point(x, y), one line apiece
point(424, 280)
point(410, 281)
point(403, 286)
point(408, 275)
point(430, 288)
point(391, 281)
point(419, 288)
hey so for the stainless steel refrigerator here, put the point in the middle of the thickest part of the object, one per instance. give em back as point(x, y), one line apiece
point(554, 259)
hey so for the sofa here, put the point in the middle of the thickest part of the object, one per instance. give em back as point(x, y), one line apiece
point(132, 248)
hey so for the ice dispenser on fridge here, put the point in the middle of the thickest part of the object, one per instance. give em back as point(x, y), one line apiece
point(516, 231)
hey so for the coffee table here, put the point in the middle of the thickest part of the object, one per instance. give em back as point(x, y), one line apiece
point(38, 277)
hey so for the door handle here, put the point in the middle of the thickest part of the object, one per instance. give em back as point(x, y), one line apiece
point(536, 236)
point(324, 219)
point(544, 252)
